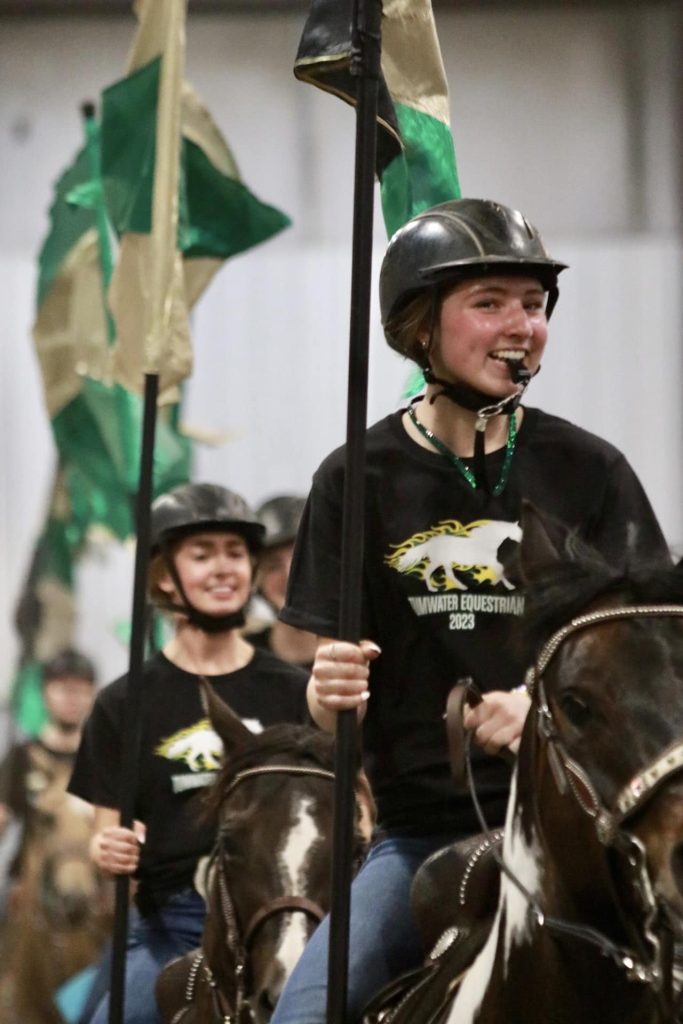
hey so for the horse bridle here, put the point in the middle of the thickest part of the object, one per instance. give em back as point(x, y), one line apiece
point(569, 774)
point(640, 788)
point(238, 943)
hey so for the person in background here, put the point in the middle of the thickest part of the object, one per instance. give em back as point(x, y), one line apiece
point(56, 906)
point(204, 542)
point(281, 516)
point(29, 767)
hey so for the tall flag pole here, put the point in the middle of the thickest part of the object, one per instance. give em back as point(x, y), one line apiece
point(361, 62)
point(401, 86)
point(365, 65)
point(161, 34)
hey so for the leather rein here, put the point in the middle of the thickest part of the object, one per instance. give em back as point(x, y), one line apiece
point(239, 942)
point(571, 776)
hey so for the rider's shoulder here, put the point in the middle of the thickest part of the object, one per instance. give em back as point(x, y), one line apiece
point(546, 429)
point(385, 434)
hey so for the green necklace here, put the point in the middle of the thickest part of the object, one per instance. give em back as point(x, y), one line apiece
point(458, 462)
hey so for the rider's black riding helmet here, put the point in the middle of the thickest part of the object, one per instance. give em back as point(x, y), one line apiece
point(455, 240)
point(191, 508)
point(281, 517)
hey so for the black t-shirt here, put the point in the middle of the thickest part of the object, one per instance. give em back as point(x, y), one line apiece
point(435, 597)
point(180, 754)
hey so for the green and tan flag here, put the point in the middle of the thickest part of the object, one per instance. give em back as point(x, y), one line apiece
point(415, 155)
point(174, 197)
point(95, 421)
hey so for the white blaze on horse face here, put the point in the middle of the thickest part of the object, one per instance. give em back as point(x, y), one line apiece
point(525, 860)
point(292, 860)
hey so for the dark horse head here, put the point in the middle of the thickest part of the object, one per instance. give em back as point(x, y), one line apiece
point(588, 925)
point(267, 881)
point(591, 903)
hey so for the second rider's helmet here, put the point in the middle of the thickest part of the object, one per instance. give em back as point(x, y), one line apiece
point(190, 508)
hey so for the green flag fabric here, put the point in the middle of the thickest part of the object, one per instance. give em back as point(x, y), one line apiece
point(219, 216)
point(172, 190)
point(415, 155)
point(95, 421)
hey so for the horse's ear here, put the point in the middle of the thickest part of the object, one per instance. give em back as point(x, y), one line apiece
point(539, 550)
point(231, 729)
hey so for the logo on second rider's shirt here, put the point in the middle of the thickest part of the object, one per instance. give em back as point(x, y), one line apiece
point(199, 749)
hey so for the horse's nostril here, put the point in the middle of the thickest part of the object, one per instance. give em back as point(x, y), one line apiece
point(677, 866)
point(267, 1001)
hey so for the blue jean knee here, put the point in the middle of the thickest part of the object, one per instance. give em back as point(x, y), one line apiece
point(383, 941)
point(153, 941)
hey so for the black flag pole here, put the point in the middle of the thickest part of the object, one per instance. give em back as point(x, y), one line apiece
point(130, 753)
point(366, 53)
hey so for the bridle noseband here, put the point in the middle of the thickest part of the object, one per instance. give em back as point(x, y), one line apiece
point(239, 942)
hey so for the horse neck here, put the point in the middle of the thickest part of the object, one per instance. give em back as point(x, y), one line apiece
point(525, 972)
point(555, 842)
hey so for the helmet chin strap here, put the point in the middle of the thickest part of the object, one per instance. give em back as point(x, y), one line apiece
point(467, 397)
point(485, 406)
point(207, 623)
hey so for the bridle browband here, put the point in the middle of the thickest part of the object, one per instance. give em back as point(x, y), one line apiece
point(568, 774)
point(239, 942)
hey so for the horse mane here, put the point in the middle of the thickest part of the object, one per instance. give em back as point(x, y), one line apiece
point(580, 577)
point(278, 744)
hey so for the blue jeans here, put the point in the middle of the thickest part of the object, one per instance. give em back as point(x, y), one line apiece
point(175, 929)
point(383, 941)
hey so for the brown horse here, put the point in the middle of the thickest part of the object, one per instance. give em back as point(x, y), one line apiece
point(590, 907)
point(60, 910)
point(267, 881)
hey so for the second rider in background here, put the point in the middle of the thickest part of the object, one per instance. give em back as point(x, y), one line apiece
point(281, 516)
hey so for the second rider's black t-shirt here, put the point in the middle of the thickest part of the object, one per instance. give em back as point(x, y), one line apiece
point(180, 754)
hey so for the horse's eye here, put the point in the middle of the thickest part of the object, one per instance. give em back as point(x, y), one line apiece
point(576, 709)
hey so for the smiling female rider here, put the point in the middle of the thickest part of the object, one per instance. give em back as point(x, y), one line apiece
point(204, 539)
point(466, 290)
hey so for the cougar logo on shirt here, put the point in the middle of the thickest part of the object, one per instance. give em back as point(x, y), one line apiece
point(200, 749)
point(452, 555)
point(198, 746)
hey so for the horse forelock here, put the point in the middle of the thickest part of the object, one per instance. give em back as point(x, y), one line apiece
point(286, 744)
point(578, 582)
